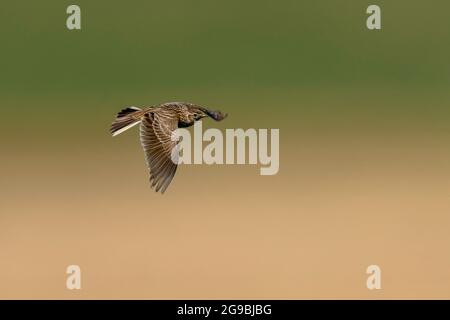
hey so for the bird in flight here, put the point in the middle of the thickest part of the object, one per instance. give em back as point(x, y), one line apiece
point(157, 126)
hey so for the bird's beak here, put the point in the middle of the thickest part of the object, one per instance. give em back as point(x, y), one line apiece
point(217, 115)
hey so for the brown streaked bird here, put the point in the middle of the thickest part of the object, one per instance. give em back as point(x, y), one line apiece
point(157, 125)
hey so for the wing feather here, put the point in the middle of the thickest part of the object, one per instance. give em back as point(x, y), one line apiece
point(156, 138)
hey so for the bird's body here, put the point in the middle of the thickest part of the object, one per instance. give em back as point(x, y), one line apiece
point(157, 125)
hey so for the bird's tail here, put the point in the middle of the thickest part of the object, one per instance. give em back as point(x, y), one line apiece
point(125, 119)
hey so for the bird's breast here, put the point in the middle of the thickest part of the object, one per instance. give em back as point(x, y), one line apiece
point(185, 124)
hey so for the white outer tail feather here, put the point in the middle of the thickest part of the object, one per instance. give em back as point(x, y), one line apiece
point(125, 128)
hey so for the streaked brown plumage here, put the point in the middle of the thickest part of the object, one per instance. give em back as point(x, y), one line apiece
point(156, 131)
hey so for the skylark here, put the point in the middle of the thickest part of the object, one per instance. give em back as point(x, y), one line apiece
point(157, 126)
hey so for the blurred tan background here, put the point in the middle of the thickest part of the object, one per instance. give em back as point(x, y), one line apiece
point(364, 153)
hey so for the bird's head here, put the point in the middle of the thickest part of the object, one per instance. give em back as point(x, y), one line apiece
point(195, 113)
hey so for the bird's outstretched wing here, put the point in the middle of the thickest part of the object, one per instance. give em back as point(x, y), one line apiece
point(157, 130)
